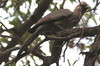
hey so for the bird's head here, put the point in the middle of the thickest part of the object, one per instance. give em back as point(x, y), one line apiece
point(83, 7)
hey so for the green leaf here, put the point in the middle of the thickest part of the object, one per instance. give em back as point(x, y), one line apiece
point(68, 62)
point(4, 40)
point(61, 6)
point(30, 1)
point(94, 0)
point(73, 1)
point(74, 62)
point(99, 18)
point(94, 19)
point(15, 21)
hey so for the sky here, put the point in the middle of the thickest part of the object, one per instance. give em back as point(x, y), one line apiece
point(72, 53)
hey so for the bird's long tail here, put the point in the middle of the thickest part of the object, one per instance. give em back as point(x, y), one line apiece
point(27, 43)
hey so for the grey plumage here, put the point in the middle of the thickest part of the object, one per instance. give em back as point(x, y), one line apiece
point(55, 22)
point(61, 19)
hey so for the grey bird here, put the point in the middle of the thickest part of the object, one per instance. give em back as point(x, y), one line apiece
point(55, 22)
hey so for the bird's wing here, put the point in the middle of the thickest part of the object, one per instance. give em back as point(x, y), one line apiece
point(52, 17)
point(55, 15)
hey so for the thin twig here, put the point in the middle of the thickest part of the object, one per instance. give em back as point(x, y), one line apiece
point(7, 36)
point(38, 45)
point(55, 5)
point(7, 52)
point(65, 50)
point(12, 33)
point(11, 61)
point(79, 2)
point(80, 37)
point(94, 8)
point(61, 6)
point(31, 51)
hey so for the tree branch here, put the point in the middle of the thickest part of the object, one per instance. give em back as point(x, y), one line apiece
point(3, 54)
point(20, 30)
point(94, 52)
point(74, 33)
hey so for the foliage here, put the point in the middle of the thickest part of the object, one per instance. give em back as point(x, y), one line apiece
point(19, 11)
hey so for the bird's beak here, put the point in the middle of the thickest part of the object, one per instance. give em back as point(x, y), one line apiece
point(87, 8)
